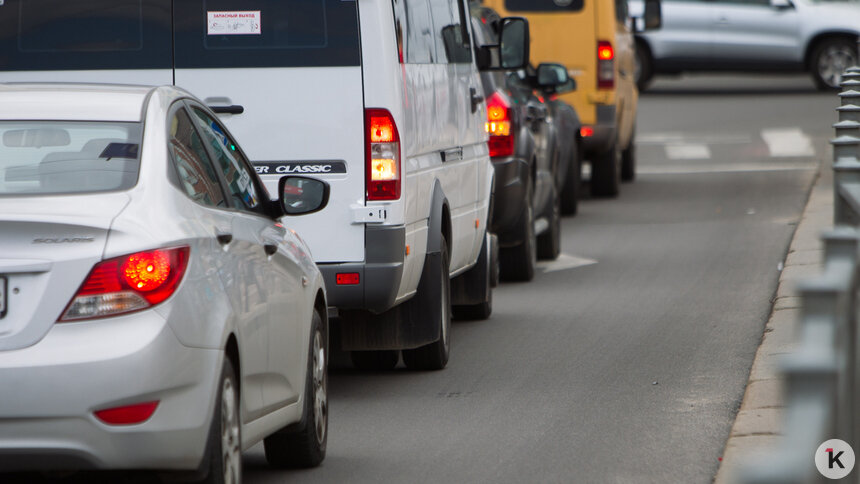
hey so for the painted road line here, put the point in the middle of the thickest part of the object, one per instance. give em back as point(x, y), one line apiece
point(787, 142)
point(688, 152)
point(564, 262)
point(692, 138)
point(723, 168)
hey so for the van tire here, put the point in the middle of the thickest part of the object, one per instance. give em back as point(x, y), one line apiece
point(518, 263)
point(303, 445)
point(628, 160)
point(573, 180)
point(606, 173)
point(549, 242)
point(376, 360)
point(434, 356)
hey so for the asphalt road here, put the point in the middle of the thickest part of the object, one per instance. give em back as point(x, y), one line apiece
point(626, 360)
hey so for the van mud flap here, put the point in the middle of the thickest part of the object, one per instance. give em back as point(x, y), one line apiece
point(409, 325)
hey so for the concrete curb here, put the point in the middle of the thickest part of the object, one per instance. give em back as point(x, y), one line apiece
point(758, 425)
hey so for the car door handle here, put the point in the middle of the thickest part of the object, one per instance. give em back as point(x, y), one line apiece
point(234, 109)
point(476, 99)
point(270, 249)
point(224, 238)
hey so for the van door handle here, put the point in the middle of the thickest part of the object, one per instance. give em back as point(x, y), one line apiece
point(454, 154)
point(270, 249)
point(476, 99)
point(234, 109)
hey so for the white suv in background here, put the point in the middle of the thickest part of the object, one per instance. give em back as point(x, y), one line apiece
point(381, 99)
point(818, 36)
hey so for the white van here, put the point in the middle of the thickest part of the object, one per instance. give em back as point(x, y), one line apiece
point(379, 98)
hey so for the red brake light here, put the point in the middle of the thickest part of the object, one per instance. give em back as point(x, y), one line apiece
point(501, 140)
point(347, 278)
point(129, 283)
point(586, 131)
point(128, 415)
point(383, 155)
point(605, 65)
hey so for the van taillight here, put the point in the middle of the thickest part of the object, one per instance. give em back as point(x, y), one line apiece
point(129, 283)
point(383, 155)
point(499, 125)
point(605, 65)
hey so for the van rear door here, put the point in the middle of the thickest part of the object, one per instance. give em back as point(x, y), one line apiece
point(286, 78)
point(114, 41)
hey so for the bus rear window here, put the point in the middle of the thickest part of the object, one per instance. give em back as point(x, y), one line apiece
point(543, 5)
point(266, 33)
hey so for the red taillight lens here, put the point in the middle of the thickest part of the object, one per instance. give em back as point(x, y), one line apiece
point(501, 140)
point(605, 65)
point(128, 415)
point(383, 155)
point(347, 278)
point(128, 283)
point(586, 131)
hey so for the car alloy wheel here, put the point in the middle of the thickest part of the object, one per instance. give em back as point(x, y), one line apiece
point(320, 387)
point(833, 61)
point(230, 441)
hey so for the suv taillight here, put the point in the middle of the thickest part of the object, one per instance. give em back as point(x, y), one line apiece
point(383, 155)
point(129, 283)
point(605, 65)
point(499, 125)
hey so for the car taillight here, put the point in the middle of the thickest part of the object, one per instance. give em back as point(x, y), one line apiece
point(383, 155)
point(129, 283)
point(128, 415)
point(499, 125)
point(605, 65)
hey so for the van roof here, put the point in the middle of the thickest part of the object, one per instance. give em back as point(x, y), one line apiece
point(72, 102)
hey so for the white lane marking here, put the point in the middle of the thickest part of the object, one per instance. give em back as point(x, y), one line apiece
point(787, 142)
point(688, 152)
point(700, 138)
point(564, 262)
point(724, 168)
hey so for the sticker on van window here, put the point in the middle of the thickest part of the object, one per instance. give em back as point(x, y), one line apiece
point(234, 23)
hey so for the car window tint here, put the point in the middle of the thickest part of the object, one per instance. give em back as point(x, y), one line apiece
point(452, 36)
point(266, 33)
point(414, 28)
point(96, 34)
point(197, 176)
point(543, 5)
point(240, 179)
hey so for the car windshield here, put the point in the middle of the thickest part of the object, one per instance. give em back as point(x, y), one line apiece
point(47, 157)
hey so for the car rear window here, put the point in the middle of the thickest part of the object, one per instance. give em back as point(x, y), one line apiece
point(47, 158)
point(543, 5)
point(95, 34)
point(266, 33)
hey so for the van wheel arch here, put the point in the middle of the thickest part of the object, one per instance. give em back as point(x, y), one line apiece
point(439, 222)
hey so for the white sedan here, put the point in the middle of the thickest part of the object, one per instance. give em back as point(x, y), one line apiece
point(154, 314)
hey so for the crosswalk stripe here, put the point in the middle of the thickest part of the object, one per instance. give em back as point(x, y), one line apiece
point(787, 142)
point(688, 151)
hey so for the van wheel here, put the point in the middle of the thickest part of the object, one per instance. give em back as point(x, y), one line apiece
point(628, 160)
point(549, 242)
point(225, 434)
point(435, 355)
point(570, 190)
point(606, 173)
point(377, 360)
point(518, 263)
point(830, 59)
point(304, 445)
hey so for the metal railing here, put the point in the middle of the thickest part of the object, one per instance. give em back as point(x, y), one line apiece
point(822, 391)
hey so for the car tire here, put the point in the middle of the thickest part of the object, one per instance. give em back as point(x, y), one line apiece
point(225, 435)
point(644, 67)
point(303, 445)
point(377, 360)
point(517, 263)
point(549, 242)
point(434, 356)
point(628, 160)
point(829, 60)
point(606, 173)
point(573, 181)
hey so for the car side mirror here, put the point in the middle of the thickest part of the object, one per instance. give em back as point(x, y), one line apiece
point(551, 76)
point(568, 86)
point(781, 4)
point(300, 195)
point(653, 16)
point(512, 51)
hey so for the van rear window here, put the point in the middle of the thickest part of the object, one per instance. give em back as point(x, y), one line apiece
point(96, 34)
point(266, 33)
point(543, 5)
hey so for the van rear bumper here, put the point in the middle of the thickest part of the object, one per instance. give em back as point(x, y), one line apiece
point(605, 131)
point(378, 276)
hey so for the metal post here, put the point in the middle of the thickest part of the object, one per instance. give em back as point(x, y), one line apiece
point(849, 112)
point(846, 175)
point(850, 97)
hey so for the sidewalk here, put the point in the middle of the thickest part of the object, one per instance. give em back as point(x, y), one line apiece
point(758, 425)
